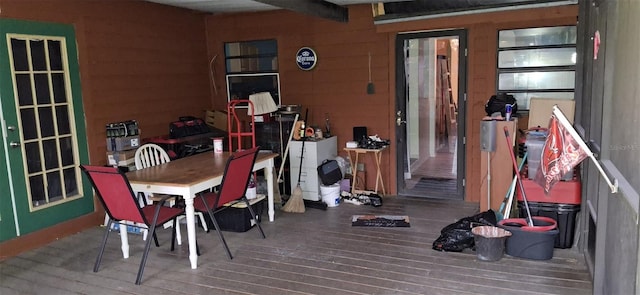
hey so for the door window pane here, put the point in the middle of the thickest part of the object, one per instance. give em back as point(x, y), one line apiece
point(70, 181)
point(47, 128)
point(538, 37)
point(34, 164)
point(54, 186)
point(50, 154)
point(23, 84)
point(42, 88)
point(62, 118)
point(66, 151)
point(38, 58)
point(55, 55)
point(19, 52)
point(29, 126)
point(537, 58)
point(59, 91)
point(537, 80)
point(38, 196)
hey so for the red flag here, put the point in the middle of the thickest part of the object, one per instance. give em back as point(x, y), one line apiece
point(561, 153)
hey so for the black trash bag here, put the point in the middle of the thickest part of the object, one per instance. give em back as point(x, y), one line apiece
point(457, 236)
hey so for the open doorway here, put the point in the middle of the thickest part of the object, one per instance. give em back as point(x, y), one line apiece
point(430, 108)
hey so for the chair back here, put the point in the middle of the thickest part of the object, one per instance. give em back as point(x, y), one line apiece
point(150, 154)
point(114, 191)
point(237, 174)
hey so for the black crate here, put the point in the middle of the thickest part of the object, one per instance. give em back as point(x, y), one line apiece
point(563, 214)
point(236, 219)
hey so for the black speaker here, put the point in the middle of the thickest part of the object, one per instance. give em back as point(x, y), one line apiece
point(359, 132)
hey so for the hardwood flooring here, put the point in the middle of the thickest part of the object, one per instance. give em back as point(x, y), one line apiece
point(317, 252)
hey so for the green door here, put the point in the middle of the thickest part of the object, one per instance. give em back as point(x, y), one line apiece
point(43, 130)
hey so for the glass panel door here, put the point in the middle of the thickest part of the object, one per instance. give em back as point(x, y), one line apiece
point(44, 119)
point(430, 118)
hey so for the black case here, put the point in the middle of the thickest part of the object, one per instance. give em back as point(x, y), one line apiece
point(329, 172)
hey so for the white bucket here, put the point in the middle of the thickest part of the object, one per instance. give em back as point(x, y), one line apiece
point(330, 194)
point(217, 145)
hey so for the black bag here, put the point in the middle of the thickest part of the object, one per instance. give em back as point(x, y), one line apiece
point(187, 126)
point(457, 236)
point(498, 103)
point(329, 172)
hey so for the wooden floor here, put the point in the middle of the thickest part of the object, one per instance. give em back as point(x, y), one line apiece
point(317, 252)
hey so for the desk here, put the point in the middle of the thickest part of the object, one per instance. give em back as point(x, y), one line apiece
point(354, 154)
point(191, 175)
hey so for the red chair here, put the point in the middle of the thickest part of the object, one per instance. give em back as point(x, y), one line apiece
point(232, 190)
point(121, 204)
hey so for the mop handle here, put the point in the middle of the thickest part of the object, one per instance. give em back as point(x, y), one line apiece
point(286, 150)
point(515, 166)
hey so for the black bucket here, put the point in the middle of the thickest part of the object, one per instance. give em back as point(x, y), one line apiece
point(531, 242)
point(490, 242)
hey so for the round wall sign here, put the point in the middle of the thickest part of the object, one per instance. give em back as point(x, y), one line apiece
point(306, 58)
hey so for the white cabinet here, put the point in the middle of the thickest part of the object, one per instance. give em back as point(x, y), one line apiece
point(315, 152)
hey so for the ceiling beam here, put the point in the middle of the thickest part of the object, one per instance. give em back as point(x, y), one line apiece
point(319, 8)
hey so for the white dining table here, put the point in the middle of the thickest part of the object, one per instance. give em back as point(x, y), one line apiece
point(190, 175)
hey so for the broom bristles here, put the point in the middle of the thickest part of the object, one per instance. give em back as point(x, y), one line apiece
point(295, 204)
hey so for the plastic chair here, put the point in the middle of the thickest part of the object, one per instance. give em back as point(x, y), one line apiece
point(232, 190)
point(122, 206)
point(149, 155)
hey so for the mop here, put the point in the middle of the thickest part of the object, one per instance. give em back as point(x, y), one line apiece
point(519, 180)
point(505, 208)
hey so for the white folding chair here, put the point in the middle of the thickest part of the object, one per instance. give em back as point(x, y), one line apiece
point(151, 154)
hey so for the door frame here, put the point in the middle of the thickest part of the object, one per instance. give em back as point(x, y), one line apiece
point(400, 104)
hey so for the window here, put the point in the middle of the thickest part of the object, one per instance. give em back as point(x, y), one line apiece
point(251, 57)
point(252, 67)
point(537, 62)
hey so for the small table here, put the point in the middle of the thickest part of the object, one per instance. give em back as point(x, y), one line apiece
point(354, 158)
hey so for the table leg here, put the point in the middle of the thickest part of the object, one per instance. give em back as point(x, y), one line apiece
point(124, 240)
point(354, 170)
point(268, 173)
point(191, 230)
point(378, 157)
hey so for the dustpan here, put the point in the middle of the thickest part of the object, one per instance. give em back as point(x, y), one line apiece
point(262, 104)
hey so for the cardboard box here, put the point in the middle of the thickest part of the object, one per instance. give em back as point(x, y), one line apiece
point(122, 158)
point(216, 119)
point(540, 110)
point(117, 144)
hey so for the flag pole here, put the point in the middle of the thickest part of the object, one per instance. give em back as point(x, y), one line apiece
point(567, 125)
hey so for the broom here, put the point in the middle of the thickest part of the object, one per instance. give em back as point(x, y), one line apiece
point(295, 204)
